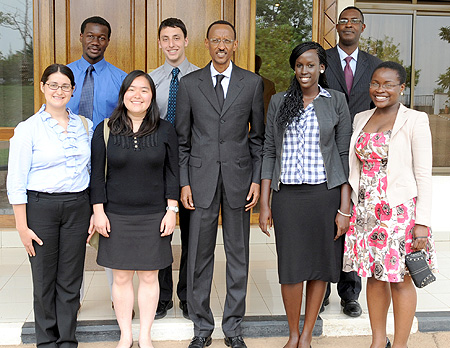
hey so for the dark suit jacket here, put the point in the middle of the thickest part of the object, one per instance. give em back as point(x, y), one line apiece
point(359, 98)
point(213, 141)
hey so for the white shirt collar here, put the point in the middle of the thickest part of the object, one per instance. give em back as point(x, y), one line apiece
point(343, 55)
point(226, 73)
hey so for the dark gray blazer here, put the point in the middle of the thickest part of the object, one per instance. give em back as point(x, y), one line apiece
point(335, 132)
point(359, 98)
point(213, 142)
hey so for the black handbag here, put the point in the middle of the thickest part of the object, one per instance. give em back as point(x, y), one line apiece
point(418, 269)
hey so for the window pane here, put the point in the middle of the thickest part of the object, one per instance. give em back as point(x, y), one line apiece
point(432, 93)
point(389, 38)
point(280, 26)
point(16, 61)
point(16, 76)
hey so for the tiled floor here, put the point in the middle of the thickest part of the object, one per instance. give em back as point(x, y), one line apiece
point(263, 298)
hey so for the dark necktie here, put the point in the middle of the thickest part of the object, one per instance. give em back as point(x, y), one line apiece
point(219, 90)
point(348, 73)
point(173, 89)
point(87, 95)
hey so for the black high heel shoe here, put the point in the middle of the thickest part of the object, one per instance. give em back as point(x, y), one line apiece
point(388, 343)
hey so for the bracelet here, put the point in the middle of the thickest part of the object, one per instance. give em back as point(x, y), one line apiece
point(343, 214)
point(420, 237)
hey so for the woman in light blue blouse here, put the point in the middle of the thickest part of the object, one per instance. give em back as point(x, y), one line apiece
point(48, 177)
point(305, 163)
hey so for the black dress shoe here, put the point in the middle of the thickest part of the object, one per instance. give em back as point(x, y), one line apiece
point(184, 309)
point(388, 343)
point(200, 342)
point(163, 307)
point(235, 342)
point(351, 308)
point(325, 303)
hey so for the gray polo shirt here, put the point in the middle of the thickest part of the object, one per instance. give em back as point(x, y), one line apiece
point(162, 77)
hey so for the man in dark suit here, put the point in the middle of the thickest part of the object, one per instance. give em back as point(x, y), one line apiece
point(349, 71)
point(349, 27)
point(220, 168)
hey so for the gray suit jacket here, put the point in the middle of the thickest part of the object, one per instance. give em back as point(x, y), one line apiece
point(335, 132)
point(213, 142)
point(359, 98)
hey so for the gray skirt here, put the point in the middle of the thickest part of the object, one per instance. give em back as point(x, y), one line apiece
point(135, 243)
point(303, 217)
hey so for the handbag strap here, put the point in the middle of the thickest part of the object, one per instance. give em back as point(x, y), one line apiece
point(85, 123)
point(106, 138)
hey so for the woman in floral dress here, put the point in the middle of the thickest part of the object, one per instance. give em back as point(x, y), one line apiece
point(390, 175)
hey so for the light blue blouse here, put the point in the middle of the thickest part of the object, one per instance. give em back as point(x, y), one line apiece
point(42, 157)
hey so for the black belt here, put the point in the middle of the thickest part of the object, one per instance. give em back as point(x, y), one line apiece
point(56, 195)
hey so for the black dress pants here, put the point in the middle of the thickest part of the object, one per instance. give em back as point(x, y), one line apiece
point(165, 275)
point(61, 222)
point(348, 287)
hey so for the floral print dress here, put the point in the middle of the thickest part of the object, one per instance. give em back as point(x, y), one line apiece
point(379, 236)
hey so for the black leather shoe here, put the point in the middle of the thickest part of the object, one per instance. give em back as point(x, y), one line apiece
point(351, 308)
point(184, 309)
point(325, 303)
point(200, 342)
point(163, 307)
point(388, 343)
point(235, 342)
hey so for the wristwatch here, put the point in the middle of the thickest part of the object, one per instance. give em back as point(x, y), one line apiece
point(173, 208)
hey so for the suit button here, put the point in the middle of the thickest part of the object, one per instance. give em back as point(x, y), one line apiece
point(221, 141)
point(222, 121)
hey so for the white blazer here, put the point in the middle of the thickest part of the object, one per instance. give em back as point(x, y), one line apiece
point(409, 161)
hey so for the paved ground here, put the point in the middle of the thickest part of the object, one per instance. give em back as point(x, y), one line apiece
point(418, 340)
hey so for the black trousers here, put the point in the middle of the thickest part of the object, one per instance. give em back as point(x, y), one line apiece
point(61, 222)
point(348, 287)
point(165, 275)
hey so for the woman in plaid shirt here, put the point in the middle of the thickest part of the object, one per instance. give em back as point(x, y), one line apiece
point(305, 163)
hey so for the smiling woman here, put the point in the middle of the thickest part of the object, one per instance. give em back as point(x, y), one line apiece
point(135, 204)
point(48, 176)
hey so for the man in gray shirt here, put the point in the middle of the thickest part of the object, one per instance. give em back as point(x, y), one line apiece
point(172, 39)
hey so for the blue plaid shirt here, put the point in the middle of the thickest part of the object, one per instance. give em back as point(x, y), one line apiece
point(302, 161)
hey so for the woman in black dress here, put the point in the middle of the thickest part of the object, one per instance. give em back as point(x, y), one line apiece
point(305, 163)
point(135, 205)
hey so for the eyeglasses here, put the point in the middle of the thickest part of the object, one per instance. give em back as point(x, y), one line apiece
point(352, 21)
point(226, 42)
point(55, 86)
point(385, 86)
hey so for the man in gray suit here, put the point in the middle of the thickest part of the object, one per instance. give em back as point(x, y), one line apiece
point(349, 71)
point(220, 168)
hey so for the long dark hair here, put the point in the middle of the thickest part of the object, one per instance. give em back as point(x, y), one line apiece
point(293, 100)
point(119, 122)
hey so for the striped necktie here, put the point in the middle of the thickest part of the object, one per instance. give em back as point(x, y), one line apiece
point(86, 107)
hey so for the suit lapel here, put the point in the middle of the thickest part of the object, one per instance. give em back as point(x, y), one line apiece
point(361, 67)
point(234, 88)
point(400, 119)
point(207, 88)
point(336, 67)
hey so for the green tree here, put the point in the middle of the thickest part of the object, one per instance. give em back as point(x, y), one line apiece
point(21, 61)
point(280, 26)
point(386, 49)
point(444, 79)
